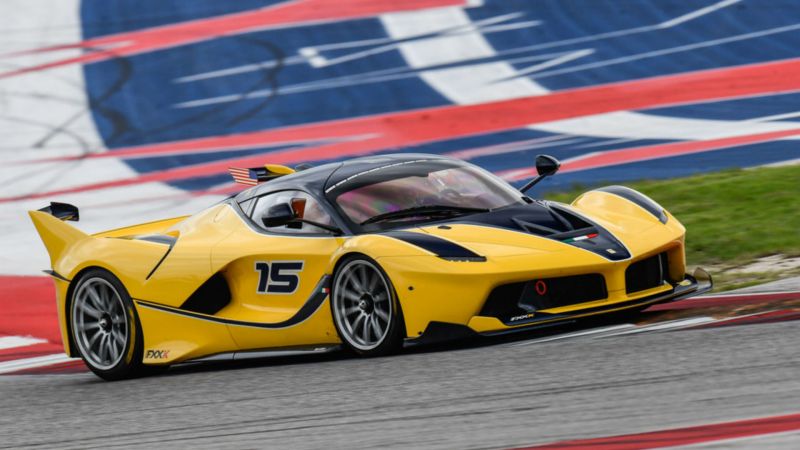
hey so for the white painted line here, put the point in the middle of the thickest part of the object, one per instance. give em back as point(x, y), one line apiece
point(593, 332)
point(697, 13)
point(730, 319)
point(553, 62)
point(252, 67)
point(628, 329)
point(31, 363)
point(312, 55)
point(7, 342)
point(790, 115)
point(746, 294)
point(468, 27)
point(670, 325)
point(376, 76)
point(611, 34)
point(513, 147)
point(791, 162)
point(667, 51)
point(607, 142)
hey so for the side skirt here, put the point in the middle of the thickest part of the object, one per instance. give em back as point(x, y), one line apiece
point(269, 353)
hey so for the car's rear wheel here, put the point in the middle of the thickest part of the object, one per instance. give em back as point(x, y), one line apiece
point(105, 327)
point(365, 309)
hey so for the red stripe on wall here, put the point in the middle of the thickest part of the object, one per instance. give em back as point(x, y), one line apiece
point(410, 128)
point(28, 308)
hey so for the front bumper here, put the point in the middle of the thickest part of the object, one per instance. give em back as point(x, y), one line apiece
point(697, 283)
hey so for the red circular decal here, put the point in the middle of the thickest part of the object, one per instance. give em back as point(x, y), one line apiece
point(541, 287)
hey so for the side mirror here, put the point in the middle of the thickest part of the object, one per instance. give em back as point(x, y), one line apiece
point(278, 215)
point(546, 165)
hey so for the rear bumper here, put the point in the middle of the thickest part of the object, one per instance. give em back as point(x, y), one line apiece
point(697, 283)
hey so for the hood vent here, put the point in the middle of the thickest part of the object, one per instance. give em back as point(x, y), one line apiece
point(568, 218)
point(564, 225)
point(552, 221)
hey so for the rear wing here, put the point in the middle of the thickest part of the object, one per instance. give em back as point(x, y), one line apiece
point(62, 211)
point(256, 175)
point(57, 235)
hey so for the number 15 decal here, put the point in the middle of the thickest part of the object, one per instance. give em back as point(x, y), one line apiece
point(278, 277)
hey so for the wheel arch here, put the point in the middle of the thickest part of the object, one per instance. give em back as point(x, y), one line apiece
point(380, 248)
point(347, 256)
point(68, 302)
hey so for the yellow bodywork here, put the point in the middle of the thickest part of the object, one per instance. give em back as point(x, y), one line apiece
point(161, 275)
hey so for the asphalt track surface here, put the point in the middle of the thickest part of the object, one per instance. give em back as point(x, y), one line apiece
point(495, 394)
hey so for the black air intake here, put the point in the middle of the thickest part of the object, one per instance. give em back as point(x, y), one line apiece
point(510, 300)
point(647, 273)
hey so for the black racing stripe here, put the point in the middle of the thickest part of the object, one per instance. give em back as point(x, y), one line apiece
point(638, 198)
point(312, 304)
point(158, 239)
point(158, 264)
point(548, 220)
point(436, 245)
point(55, 274)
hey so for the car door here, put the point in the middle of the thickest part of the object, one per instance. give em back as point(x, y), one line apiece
point(278, 275)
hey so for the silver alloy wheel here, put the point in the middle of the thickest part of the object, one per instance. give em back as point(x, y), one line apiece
point(99, 323)
point(362, 304)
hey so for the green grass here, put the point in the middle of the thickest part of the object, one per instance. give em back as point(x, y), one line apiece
point(725, 281)
point(731, 217)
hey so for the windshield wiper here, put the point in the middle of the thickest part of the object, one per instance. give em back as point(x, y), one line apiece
point(429, 210)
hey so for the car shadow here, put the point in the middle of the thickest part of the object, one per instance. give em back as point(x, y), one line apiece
point(442, 345)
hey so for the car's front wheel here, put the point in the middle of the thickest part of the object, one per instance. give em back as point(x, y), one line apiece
point(104, 326)
point(365, 309)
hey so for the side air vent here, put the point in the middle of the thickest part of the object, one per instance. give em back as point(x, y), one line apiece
point(209, 298)
point(647, 273)
point(574, 222)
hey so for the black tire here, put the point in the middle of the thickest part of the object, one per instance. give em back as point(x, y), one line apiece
point(105, 327)
point(365, 330)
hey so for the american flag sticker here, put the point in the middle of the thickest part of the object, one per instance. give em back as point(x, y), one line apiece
point(243, 176)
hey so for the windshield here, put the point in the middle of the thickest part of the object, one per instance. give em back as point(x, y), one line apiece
point(420, 195)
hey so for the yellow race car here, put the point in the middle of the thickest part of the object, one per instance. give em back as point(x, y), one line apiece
point(368, 253)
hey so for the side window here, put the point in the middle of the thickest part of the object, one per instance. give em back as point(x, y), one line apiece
point(246, 205)
point(303, 205)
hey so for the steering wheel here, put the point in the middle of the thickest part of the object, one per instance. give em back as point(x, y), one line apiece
point(450, 192)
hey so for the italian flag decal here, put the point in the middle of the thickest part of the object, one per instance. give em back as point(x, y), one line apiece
point(581, 238)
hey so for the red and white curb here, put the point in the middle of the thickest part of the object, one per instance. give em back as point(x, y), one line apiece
point(696, 322)
point(18, 365)
point(23, 353)
point(9, 342)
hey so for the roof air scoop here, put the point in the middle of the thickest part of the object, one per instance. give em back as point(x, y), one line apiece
point(256, 175)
